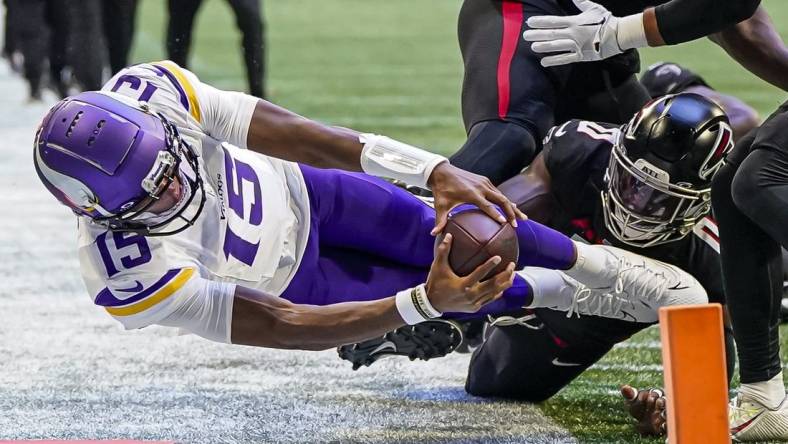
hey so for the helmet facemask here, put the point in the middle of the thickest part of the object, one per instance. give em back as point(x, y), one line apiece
point(643, 208)
point(168, 166)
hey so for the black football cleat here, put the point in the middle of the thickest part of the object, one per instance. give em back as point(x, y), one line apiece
point(426, 340)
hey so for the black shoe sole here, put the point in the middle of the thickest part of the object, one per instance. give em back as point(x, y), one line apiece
point(427, 340)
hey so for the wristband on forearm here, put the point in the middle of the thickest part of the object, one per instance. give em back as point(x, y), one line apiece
point(631, 32)
point(414, 306)
point(385, 157)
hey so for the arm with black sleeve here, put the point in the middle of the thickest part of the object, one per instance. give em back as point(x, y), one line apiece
point(597, 34)
point(757, 46)
point(679, 21)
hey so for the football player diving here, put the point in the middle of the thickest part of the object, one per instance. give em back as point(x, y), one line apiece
point(179, 225)
point(645, 187)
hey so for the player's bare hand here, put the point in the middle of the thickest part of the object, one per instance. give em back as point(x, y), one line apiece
point(453, 186)
point(449, 292)
point(648, 408)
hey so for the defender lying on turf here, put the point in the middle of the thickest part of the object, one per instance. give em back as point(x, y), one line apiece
point(182, 227)
point(643, 187)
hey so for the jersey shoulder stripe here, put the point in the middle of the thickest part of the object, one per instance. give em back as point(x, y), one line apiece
point(162, 289)
point(188, 94)
point(706, 229)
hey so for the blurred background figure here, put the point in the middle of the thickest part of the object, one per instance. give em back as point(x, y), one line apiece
point(248, 17)
point(104, 36)
point(88, 45)
point(119, 18)
point(76, 40)
point(10, 50)
point(40, 30)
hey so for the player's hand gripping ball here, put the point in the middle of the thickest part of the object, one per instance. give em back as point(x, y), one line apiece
point(476, 238)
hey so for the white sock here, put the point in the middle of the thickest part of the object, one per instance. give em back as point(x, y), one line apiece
point(767, 393)
point(591, 266)
point(546, 286)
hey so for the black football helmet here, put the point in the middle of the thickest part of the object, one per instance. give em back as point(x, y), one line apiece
point(658, 181)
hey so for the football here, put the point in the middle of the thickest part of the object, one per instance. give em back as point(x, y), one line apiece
point(478, 237)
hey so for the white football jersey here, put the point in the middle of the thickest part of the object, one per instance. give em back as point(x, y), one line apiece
point(252, 230)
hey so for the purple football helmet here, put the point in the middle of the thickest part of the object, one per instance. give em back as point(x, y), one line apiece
point(110, 158)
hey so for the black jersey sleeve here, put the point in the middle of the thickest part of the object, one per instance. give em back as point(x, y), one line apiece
point(576, 154)
point(684, 20)
point(665, 78)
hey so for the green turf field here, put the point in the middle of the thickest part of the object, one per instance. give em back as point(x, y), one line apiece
point(394, 67)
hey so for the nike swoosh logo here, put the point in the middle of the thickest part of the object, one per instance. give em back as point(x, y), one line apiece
point(627, 316)
point(676, 287)
point(740, 427)
point(388, 345)
point(135, 288)
point(558, 363)
point(646, 305)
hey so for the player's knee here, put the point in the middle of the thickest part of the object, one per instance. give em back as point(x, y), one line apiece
point(482, 384)
point(497, 149)
point(743, 188)
point(249, 20)
point(747, 191)
point(517, 363)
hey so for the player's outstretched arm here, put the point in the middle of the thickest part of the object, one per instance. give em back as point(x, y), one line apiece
point(277, 132)
point(597, 34)
point(531, 191)
point(267, 321)
point(757, 46)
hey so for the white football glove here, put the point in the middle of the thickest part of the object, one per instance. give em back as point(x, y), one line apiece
point(594, 34)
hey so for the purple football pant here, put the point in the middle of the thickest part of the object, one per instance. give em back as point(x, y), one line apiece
point(370, 239)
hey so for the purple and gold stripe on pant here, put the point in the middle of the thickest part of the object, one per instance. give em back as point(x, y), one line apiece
point(162, 289)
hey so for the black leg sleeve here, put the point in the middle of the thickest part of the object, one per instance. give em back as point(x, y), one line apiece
point(497, 149)
point(752, 276)
point(179, 29)
point(248, 16)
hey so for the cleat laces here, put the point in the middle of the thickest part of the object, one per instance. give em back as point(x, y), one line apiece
point(588, 302)
point(649, 286)
point(506, 321)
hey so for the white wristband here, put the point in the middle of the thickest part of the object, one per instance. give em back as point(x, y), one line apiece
point(631, 32)
point(414, 306)
point(385, 157)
